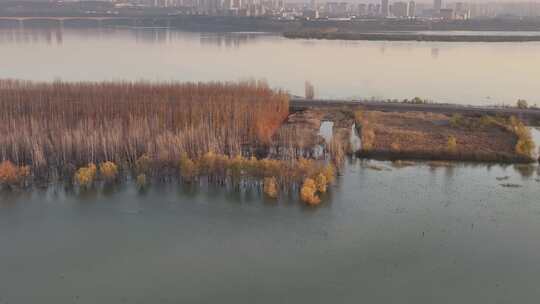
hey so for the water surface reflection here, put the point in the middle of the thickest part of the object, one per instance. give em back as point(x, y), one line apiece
point(443, 72)
point(386, 235)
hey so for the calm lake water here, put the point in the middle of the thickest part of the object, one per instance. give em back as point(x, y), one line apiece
point(383, 235)
point(470, 73)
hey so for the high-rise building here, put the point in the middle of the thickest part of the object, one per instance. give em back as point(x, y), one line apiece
point(362, 9)
point(336, 9)
point(236, 4)
point(372, 10)
point(310, 14)
point(385, 8)
point(462, 11)
point(437, 5)
point(400, 9)
point(412, 9)
point(447, 14)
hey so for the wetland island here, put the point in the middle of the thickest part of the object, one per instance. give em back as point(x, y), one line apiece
point(236, 135)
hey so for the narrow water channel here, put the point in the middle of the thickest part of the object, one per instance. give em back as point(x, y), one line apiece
point(535, 132)
point(327, 131)
point(355, 139)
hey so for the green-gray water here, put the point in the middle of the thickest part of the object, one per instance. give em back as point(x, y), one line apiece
point(383, 234)
point(415, 234)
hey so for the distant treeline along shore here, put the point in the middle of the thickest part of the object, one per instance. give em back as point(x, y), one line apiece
point(409, 37)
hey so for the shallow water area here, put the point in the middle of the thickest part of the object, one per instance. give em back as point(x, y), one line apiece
point(379, 235)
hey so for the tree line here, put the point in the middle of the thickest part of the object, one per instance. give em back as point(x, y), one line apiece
point(65, 125)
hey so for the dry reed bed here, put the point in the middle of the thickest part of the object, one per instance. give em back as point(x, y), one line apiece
point(433, 136)
point(63, 126)
point(99, 133)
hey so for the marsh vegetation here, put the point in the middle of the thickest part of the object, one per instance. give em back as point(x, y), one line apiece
point(104, 132)
point(434, 136)
point(60, 125)
point(236, 135)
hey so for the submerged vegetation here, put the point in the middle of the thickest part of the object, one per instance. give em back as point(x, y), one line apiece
point(270, 187)
point(85, 176)
point(198, 133)
point(12, 175)
point(308, 193)
point(272, 175)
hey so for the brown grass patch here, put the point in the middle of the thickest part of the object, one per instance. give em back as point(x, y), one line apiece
point(437, 136)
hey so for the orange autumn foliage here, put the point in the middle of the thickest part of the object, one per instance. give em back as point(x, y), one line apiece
point(85, 176)
point(321, 183)
point(308, 192)
point(108, 171)
point(10, 174)
point(270, 187)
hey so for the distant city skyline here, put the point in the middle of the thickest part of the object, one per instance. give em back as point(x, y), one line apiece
point(421, 1)
point(319, 1)
point(287, 9)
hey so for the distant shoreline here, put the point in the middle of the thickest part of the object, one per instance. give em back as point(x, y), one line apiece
point(409, 37)
point(152, 18)
point(531, 115)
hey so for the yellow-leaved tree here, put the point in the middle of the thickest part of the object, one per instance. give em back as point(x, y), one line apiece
point(270, 187)
point(308, 192)
point(188, 168)
point(85, 176)
point(108, 171)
